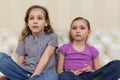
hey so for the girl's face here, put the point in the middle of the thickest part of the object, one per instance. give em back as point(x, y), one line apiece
point(36, 20)
point(79, 30)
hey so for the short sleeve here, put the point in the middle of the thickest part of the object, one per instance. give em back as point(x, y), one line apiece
point(95, 53)
point(20, 49)
point(62, 49)
point(53, 40)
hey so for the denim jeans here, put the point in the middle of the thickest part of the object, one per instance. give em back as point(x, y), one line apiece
point(14, 72)
point(110, 71)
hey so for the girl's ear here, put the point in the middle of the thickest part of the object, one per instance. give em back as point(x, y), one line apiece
point(46, 24)
point(89, 32)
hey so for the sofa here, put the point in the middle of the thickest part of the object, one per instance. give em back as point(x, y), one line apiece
point(106, 40)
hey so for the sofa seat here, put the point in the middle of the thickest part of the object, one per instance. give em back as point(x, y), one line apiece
point(107, 41)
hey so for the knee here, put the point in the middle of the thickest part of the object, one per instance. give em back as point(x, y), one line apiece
point(116, 63)
point(2, 55)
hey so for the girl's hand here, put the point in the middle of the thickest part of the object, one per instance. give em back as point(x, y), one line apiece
point(76, 72)
point(33, 75)
point(87, 68)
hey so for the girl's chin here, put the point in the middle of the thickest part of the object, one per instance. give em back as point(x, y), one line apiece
point(79, 40)
point(36, 32)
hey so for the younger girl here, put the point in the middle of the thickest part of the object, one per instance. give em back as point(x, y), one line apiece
point(79, 60)
point(36, 49)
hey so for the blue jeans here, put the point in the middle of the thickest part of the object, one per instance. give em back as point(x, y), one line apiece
point(110, 71)
point(14, 72)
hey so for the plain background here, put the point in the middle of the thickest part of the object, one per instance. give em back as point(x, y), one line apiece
point(100, 13)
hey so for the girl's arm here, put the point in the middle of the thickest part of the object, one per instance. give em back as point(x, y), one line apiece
point(60, 63)
point(20, 60)
point(96, 63)
point(44, 60)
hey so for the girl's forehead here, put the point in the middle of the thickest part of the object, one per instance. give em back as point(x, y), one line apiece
point(80, 21)
point(37, 10)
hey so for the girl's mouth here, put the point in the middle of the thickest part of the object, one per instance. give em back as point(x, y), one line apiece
point(77, 35)
point(35, 27)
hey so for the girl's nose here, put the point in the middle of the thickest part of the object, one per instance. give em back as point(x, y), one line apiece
point(78, 31)
point(35, 21)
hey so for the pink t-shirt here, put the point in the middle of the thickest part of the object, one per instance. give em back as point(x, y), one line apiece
point(75, 59)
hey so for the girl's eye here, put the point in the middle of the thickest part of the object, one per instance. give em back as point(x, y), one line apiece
point(74, 27)
point(82, 28)
point(31, 18)
point(39, 18)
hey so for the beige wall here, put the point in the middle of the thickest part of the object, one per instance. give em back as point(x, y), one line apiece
point(101, 13)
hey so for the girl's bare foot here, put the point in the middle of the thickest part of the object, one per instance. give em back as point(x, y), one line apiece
point(3, 78)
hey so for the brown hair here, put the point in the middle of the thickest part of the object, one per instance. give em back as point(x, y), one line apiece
point(78, 18)
point(26, 31)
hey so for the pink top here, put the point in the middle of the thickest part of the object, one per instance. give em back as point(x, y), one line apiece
point(75, 59)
